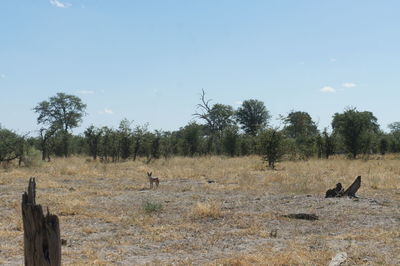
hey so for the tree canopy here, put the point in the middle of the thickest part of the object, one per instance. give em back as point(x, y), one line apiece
point(300, 127)
point(11, 145)
point(253, 116)
point(60, 113)
point(217, 116)
point(353, 132)
point(355, 128)
point(299, 124)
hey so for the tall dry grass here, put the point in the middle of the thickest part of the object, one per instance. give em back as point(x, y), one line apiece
point(245, 172)
point(81, 191)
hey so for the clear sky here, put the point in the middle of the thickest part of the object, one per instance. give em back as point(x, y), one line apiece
point(148, 60)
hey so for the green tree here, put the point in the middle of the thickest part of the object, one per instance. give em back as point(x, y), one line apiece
point(93, 137)
point(62, 112)
point(125, 138)
point(46, 135)
point(320, 146)
point(156, 145)
point(191, 139)
point(169, 144)
point(272, 146)
point(247, 144)
point(139, 134)
point(11, 145)
point(221, 116)
point(383, 145)
point(110, 145)
point(356, 129)
point(230, 140)
point(79, 145)
point(395, 136)
point(300, 127)
point(253, 116)
point(394, 127)
point(328, 144)
point(151, 146)
point(299, 124)
point(217, 118)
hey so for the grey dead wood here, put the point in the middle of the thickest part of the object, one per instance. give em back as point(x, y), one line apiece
point(42, 243)
point(335, 192)
point(351, 191)
point(302, 216)
point(339, 192)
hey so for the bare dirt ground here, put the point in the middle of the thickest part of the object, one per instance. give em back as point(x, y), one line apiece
point(109, 217)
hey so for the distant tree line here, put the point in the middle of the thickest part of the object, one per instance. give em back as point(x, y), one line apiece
point(219, 130)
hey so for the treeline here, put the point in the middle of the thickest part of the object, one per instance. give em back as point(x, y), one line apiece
point(219, 130)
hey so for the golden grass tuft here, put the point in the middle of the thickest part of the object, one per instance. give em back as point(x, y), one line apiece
point(209, 209)
point(89, 230)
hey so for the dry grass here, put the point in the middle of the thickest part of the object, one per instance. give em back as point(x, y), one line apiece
point(294, 254)
point(209, 209)
point(227, 221)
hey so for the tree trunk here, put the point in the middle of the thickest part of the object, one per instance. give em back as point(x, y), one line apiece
point(65, 143)
point(44, 150)
point(42, 244)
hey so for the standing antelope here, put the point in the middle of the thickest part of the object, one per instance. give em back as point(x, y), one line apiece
point(153, 179)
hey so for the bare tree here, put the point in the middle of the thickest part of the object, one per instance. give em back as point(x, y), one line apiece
point(205, 110)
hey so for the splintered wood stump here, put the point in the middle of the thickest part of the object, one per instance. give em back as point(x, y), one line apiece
point(42, 244)
point(338, 191)
point(351, 191)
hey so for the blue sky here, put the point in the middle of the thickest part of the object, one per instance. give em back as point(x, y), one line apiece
point(148, 60)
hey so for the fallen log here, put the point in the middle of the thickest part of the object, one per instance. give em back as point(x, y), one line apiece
point(302, 216)
point(338, 191)
point(335, 192)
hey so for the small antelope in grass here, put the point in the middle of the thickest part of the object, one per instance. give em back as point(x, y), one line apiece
point(153, 179)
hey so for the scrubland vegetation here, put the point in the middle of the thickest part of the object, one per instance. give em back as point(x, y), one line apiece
point(218, 130)
point(108, 215)
point(227, 180)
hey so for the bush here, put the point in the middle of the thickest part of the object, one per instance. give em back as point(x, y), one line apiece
point(32, 157)
point(272, 146)
point(151, 207)
point(11, 145)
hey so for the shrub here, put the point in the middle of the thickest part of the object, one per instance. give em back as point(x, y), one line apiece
point(32, 157)
point(151, 207)
point(11, 145)
point(272, 146)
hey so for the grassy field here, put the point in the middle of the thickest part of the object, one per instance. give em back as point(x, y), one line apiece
point(109, 216)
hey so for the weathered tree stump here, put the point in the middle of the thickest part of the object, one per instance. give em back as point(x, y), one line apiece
point(42, 244)
point(338, 191)
point(351, 191)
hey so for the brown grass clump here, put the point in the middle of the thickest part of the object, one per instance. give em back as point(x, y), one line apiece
point(209, 209)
